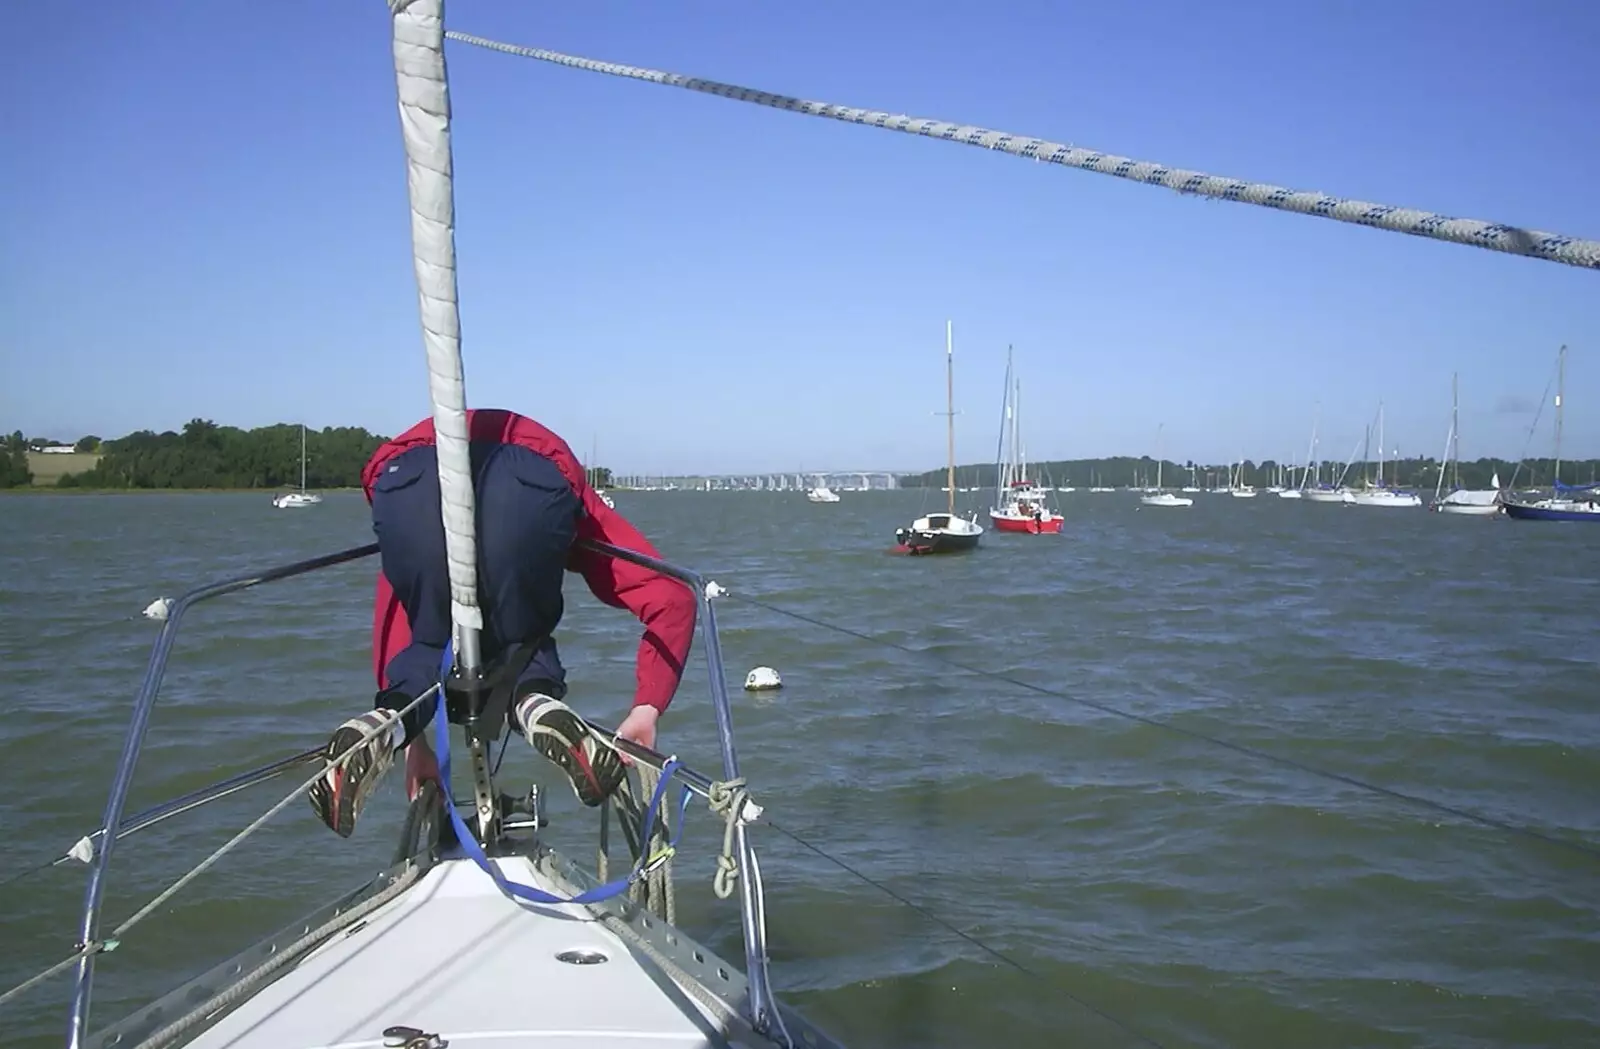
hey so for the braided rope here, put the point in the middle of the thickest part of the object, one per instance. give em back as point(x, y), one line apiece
point(97, 947)
point(1495, 236)
point(656, 889)
point(727, 800)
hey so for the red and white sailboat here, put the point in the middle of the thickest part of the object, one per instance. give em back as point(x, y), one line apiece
point(1020, 504)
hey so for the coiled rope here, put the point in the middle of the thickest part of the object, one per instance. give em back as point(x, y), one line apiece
point(1476, 233)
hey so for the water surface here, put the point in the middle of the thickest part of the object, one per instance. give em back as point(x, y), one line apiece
point(1203, 897)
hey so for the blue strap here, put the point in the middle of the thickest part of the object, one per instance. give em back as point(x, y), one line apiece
point(469, 843)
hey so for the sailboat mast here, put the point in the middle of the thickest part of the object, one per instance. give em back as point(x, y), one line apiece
point(1380, 444)
point(1311, 453)
point(950, 414)
point(1159, 456)
point(1561, 389)
point(1016, 425)
point(1003, 453)
point(302, 457)
point(1449, 445)
point(1455, 430)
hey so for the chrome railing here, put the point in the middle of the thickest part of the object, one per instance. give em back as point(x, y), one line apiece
point(85, 849)
point(101, 844)
point(750, 905)
point(111, 821)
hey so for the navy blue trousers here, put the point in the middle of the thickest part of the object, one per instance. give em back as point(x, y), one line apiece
point(527, 517)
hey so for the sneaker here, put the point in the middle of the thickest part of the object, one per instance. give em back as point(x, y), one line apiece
point(337, 797)
point(555, 731)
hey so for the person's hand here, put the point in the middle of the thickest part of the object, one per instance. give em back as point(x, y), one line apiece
point(640, 726)
point(421, 766)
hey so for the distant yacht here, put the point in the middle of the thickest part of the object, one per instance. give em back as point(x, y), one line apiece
point(1156, 496)
point(943, 533)
point(1476, 503)
point(1020, 505)
point(1559, 507)
point(302, 498)
point(1376, 494)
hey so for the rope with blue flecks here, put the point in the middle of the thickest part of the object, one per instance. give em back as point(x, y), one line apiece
point(1495, 236)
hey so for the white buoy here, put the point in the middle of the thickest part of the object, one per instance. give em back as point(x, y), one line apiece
point(762, 679)
point(158, 608)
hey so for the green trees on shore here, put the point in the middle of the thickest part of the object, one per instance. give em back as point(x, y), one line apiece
point(206, 455)
point(14, 472)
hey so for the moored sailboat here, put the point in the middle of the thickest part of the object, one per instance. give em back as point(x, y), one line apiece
point(943, 533)
point(1158, 496)
point(1021, 506)
point(1376, 493)
point(593, 474)
point(1236, 486)
point(1462, 501)
point(299, 498)
point(1581, 505)
point(822, 494)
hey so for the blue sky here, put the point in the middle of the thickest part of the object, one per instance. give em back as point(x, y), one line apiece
point(205, 214)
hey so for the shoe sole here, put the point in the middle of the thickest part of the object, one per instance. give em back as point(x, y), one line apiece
point(561, 736)
point(337, 798)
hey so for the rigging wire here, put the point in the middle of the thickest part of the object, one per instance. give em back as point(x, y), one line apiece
point(27, 872)
point(110, 943)
point(1533, 428)
point(1493, 236)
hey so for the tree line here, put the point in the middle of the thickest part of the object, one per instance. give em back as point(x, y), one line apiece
point(206, 455)
point(14, 472)
point(1137, 472)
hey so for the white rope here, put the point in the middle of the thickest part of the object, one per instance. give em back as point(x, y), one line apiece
point(33, 981)
point(424, 95)
point(729, 799)
point(1495, 236)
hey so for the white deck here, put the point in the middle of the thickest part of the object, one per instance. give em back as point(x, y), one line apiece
point(454, 957)
point(945, 523)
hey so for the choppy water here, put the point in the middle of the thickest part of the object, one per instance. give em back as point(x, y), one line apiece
point(1204, 898)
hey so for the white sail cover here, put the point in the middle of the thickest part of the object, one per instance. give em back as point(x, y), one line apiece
point(1471, 497)
point(419, 71)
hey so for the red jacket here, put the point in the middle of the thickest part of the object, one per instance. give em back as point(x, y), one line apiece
point(664, 605)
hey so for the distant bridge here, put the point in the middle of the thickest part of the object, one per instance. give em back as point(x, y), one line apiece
point(838, 480)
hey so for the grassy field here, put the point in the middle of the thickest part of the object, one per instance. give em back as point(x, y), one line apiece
point(47, 469)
